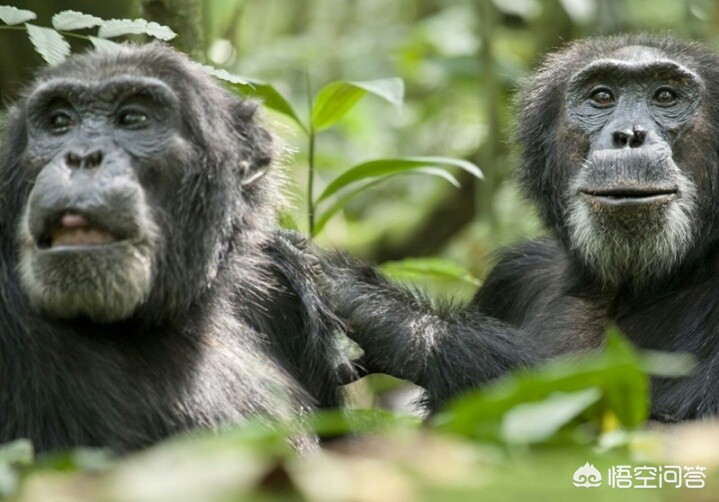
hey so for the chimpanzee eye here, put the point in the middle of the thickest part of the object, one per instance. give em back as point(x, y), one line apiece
point(60, 121)
point(602, 97)
point(665, 96)
point(131, 118)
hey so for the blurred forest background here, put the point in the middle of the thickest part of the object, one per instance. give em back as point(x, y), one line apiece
point(462, 62)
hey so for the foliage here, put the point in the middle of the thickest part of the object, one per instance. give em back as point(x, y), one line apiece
point(327, 107)
point(455, 66)
point(523, 435)
point(51, 44)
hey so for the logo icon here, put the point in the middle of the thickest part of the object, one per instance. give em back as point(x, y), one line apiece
point(587, 476)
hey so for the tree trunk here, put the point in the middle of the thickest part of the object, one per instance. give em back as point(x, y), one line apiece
point(184, 17)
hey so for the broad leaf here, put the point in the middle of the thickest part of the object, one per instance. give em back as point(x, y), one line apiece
point(118, 27)
point(335, 99)
point(435, 268)
point(270, 97)
point(70, 20)
point(12, 15)
point(49, 44)
point(536, 422)
point(340, 203)
point(223, 75)
point(384, 167)
point(615, 371)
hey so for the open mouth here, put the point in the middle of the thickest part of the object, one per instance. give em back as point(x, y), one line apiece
point(74, 230)
point(622, 196)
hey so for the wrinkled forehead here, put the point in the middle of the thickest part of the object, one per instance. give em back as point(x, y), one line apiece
point(107, 89)
point(637, 64)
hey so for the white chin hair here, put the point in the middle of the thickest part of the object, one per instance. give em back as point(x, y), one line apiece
point(648, 251)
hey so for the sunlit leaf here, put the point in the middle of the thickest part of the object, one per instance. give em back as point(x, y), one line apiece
point(70, 20)
point(581, 11)
point(49, 44)
point(19, 451)
point(104, 44)
point(335, 99)
point(223, 75)
point(118, 27)
point(435, 268)
point(615, 371)
point(271, 97)
point(384, 167)
point(324, 216)
point(12, 15)
point(668, 364)
point(536, 422)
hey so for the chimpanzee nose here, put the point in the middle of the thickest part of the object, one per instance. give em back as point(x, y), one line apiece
point(89, 161)
point(629, 138)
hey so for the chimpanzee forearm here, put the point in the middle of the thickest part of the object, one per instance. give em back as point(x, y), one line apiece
point(443, 348)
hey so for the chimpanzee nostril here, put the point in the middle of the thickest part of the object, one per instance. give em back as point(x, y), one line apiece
point(621, 139)
point(93, 160)
point(73, 160)
point(89, 161)
point(638, 139)
point(630, 138)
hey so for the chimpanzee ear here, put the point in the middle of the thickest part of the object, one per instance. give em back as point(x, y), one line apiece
point(256, 141)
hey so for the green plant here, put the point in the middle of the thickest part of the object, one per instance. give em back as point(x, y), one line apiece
point(326, 107)
point(50, 43)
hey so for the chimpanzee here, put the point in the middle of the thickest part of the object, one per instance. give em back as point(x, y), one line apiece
point(620, 140)
point(144, 289)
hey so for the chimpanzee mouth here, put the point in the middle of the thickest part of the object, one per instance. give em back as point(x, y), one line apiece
point(630, 196)
point(73, 230)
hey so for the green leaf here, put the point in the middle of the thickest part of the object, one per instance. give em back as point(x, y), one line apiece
point(536, 422)
point(615, 371)
point(335, 99)
point(102, 44)
point(119, 27)
point(49, 44)
point(19, 451)
point(287, 220)
point(322, 218)
point(70, 20)
point(223, 75)
point(668, 364)
point(340, 203)
point(384, 167)
point(12, 15)
point(358, 421)
point(436, 268)
point(271, 98)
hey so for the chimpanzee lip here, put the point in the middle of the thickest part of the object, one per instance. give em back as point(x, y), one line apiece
point(73, 230)
point(623, 196)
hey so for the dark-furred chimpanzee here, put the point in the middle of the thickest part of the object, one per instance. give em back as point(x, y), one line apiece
point(143, 288)
point(620, 141)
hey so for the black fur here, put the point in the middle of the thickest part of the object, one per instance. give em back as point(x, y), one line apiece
point(544, 297)
point(233, 326)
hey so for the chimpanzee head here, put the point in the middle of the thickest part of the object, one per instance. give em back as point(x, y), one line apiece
point(128, 177)
point(621, 139)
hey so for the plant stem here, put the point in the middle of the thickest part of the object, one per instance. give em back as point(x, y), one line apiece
point(21, 27)
point(311, 164)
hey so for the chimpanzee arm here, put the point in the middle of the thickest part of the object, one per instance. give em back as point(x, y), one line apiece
point(443, 348)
